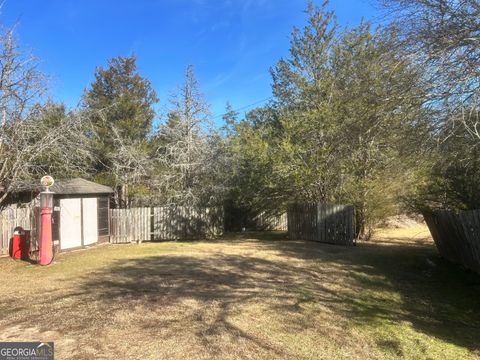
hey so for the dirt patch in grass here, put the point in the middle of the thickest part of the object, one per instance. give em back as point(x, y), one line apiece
point(247, 296)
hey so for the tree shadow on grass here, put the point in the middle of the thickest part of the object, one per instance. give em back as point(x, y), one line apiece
point(202, 293)
point(437, 297)
point(218, 284)
point(222, 281)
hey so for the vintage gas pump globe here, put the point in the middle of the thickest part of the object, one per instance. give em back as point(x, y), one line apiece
point(46, 209)
point(46, 197)
point(47, 181)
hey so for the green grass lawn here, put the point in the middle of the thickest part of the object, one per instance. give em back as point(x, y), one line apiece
point(247, 296)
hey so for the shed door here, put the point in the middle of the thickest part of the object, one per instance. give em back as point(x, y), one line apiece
point(70, 223)
point(90, 221)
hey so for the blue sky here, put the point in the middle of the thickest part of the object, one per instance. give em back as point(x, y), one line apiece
point(231, 43)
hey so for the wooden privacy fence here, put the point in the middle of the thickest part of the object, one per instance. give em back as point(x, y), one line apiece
point(456, 235)
point(238, 218)
point(326, 223)
point(164, 223)
point(10, 218)
point(127, 225)
point(268, 221)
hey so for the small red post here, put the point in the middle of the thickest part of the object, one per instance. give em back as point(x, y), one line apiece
point(16, 246)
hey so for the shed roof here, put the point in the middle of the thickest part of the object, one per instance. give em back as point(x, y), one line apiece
point(79, 186)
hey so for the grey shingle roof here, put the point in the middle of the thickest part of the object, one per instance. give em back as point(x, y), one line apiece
point(79, 186)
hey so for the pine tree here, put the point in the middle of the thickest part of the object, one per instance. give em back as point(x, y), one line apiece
point(345, 104)
point(119, 95)
point(120, 103)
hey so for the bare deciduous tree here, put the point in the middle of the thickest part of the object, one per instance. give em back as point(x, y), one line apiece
point(184, 148)
point(444, 36)
point(21, 84)
point(29, 145)
point(129, 165)
point(32, 147)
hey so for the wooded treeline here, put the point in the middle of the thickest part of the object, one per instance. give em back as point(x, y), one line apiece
point(381, 117)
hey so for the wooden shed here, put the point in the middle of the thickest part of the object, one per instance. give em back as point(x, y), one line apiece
point(81, 213)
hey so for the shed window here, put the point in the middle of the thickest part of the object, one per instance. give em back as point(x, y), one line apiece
point(103, 216)
point(56, 219)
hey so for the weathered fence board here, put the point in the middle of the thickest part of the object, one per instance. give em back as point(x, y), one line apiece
point(327, 223)
point(176, 223)
point(127, 225)
point(238, 218)
point(268, 221)
point(165, 223)
point(456, 235)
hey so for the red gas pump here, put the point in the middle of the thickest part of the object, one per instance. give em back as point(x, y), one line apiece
point(20, 244)
point(16, 247)
point(46, 210)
